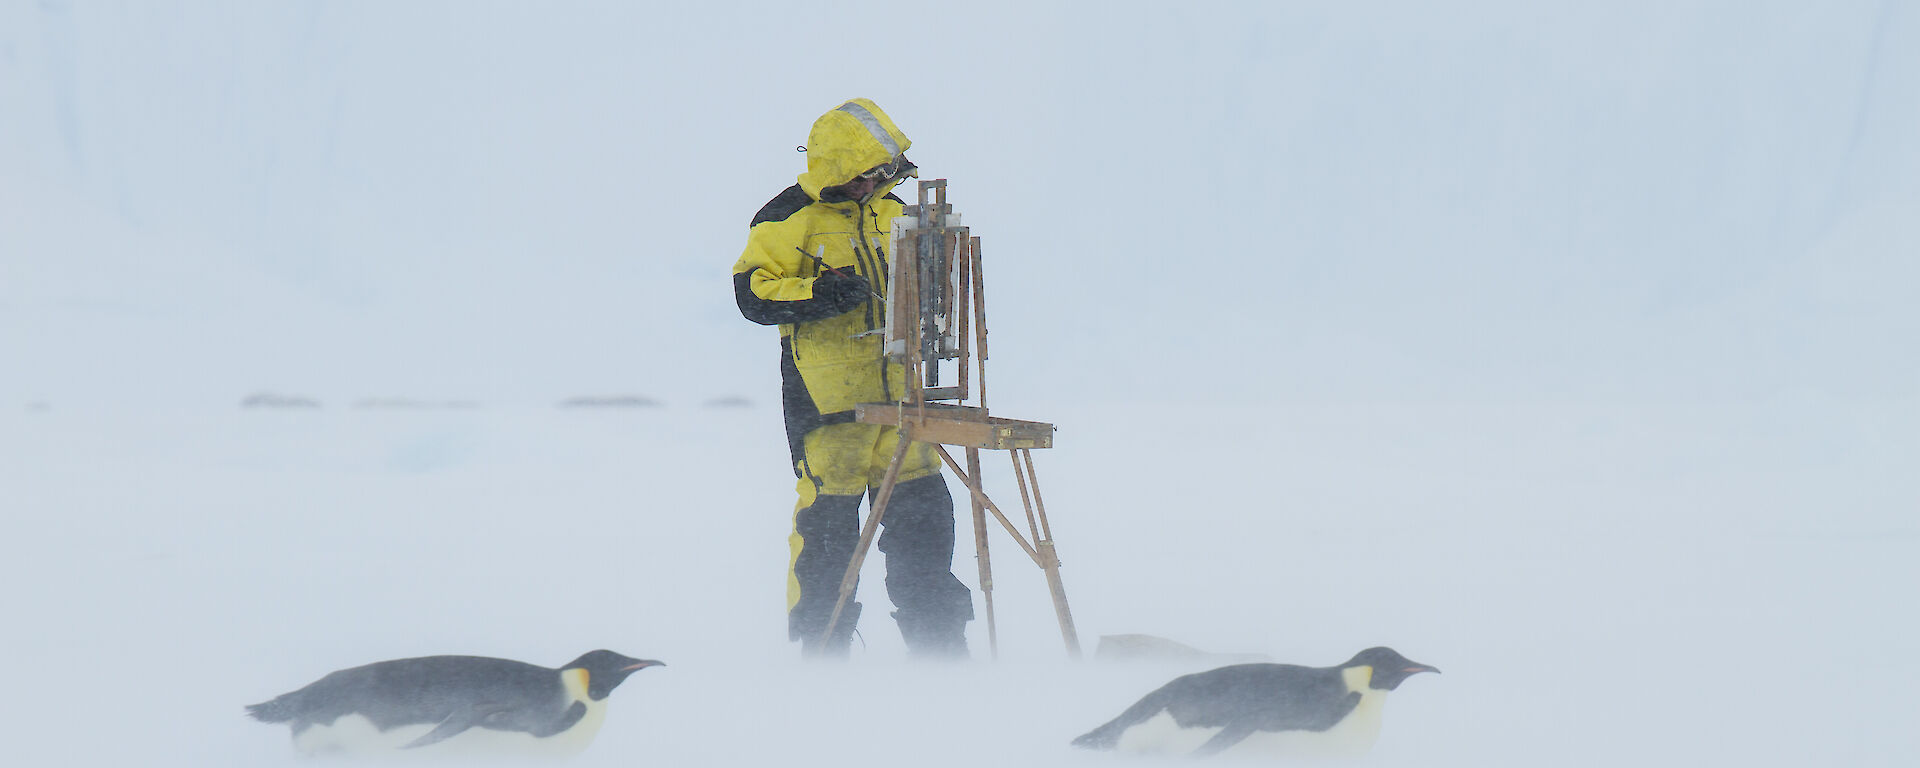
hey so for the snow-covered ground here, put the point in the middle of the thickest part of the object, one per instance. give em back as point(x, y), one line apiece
point(1595, 594)
point(1568, 349)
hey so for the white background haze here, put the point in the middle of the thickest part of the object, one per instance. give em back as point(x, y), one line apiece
point(1568, 347)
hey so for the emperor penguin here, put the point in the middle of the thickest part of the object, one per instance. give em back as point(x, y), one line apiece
point(465, 705)
point(1280, 710)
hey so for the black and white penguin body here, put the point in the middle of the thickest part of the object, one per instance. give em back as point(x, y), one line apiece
point(1263, 709)
point(469, 705)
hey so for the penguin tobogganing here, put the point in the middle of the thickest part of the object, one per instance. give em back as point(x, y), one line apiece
point(447, 704)
point(1268, 709)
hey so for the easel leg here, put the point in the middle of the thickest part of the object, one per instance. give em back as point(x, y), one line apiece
point(1049, 558)
point(980, 549)
point(1060, 609)
point(852, 576)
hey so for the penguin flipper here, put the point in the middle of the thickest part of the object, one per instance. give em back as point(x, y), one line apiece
point(1231, 735)
point(279, 710)
point(567, 720)
point(456, 723)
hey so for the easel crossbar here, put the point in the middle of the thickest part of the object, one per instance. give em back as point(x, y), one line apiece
point(974, 489)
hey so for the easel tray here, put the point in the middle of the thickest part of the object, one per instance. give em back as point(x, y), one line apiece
point(965, 426)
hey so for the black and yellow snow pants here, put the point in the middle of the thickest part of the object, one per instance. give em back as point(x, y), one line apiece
point(839, 463)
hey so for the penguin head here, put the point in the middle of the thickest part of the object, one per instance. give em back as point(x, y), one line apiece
point(606, 670)
point(1390, 668)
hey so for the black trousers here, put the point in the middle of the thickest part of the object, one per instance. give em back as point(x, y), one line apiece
point(917, 539)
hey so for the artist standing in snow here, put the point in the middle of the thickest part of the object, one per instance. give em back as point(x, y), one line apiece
point(816, 265)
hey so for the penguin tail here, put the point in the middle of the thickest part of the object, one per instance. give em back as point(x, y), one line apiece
point(1107, 737)
point(279, 710)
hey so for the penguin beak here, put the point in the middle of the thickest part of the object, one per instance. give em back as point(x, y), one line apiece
point(1418, 668)
point(642, 664)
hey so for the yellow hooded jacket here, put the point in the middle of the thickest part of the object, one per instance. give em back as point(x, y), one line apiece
point(830, 361)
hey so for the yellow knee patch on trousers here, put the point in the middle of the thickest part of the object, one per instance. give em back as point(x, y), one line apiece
point(847, 459)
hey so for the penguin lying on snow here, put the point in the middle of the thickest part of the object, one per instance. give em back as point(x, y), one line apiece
point(1278, 709)
point(468, 704)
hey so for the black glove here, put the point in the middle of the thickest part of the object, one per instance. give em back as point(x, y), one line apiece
point(841, 291)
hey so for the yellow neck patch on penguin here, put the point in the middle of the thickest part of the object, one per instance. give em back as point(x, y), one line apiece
point(575, 681)
point(1358, 678)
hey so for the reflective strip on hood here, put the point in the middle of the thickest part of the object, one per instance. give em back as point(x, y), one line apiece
point(878, 131)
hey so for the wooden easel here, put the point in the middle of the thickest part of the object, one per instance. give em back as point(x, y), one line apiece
point(935, 299)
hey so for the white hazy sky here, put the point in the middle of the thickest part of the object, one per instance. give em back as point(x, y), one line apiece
point(508, 201)
point(1568, 347)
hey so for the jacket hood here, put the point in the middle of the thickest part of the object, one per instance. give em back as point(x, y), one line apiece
point(847, 141)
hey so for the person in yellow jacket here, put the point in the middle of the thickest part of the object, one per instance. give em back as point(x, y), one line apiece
point(816, 265)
